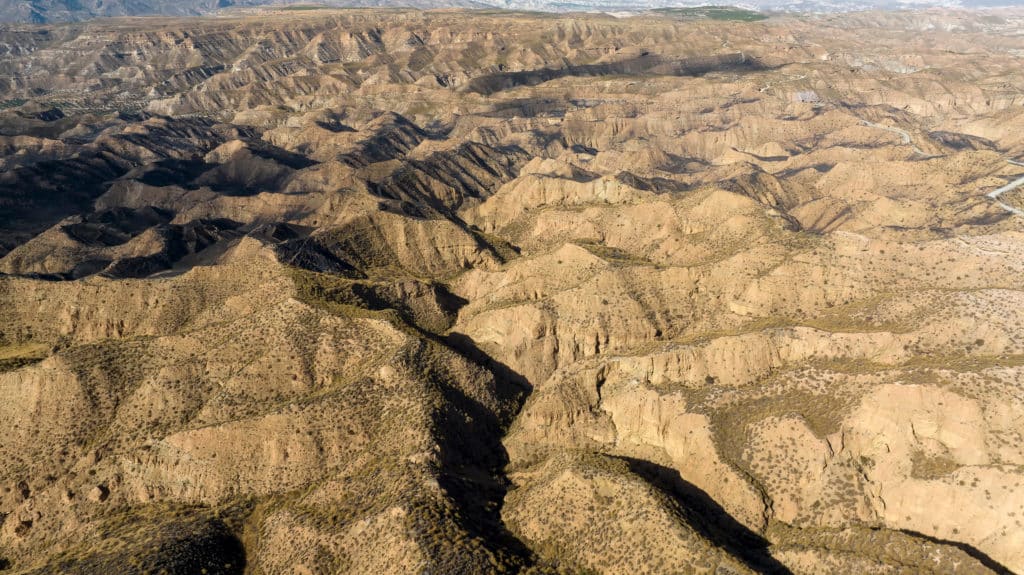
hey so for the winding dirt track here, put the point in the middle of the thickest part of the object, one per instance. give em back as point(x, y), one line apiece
point(909, 141)
point(1007, 188)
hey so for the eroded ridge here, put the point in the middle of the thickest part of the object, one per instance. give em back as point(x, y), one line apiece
point(487, 292)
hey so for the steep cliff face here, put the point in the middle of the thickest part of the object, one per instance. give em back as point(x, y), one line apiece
point(393, 292)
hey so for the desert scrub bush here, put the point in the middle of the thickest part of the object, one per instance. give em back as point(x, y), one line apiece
point(457, 539)
point(884, 546)
point(156, 538)
point(931, 466)
point(732, 424)
point(16, 355)
point(337, 296)
point(615, 256)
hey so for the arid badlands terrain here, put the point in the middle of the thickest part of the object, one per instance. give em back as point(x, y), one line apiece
point(338, 291)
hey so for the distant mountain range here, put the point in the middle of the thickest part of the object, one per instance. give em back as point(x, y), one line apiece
point(43, 11)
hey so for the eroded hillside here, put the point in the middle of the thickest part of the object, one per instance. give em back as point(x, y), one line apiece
point(449, 292)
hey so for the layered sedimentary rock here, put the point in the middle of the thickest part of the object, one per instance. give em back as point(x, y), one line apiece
point(464, 292)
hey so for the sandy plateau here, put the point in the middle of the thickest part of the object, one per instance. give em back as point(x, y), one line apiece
point(343, 291)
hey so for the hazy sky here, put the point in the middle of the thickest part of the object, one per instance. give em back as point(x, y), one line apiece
point(758, 4)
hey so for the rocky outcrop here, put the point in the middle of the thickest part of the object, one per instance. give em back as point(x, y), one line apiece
point(351, 291)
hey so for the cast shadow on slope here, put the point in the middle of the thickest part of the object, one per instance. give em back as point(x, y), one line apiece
point(35, 197)
point(181, 545)
point(646, 63)
point(708, 518)
point(974, 552)
point(473, 458)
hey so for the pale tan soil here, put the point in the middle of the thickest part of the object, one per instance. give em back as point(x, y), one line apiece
point(407, 292)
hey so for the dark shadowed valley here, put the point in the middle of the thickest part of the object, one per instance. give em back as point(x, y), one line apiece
point(395, 291)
